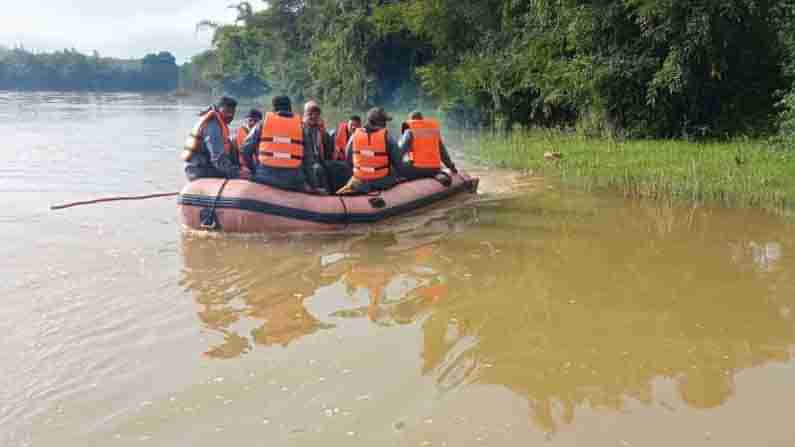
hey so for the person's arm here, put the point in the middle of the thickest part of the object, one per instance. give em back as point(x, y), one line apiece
point(308, 163)
point(328, 145)
point(309, 152)
point(405, 141)
point(446, 158)
point(250, 146)
point(394, 153)
point(349, 154)
point(214, 142)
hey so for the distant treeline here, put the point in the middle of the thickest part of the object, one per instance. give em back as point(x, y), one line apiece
point(204, 73)
point(71, 70)
point(663, 68)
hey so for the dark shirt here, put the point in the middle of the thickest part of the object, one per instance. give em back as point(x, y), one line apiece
point(315, 136)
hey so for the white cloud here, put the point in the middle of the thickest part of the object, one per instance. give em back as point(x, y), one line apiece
point(118, 29)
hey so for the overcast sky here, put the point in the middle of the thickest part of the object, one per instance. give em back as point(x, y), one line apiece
point(113, 27)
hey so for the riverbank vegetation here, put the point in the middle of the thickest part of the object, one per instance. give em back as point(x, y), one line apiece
point(739, 172)
point(71, 70)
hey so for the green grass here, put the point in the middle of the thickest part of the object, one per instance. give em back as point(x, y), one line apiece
point(741, 172)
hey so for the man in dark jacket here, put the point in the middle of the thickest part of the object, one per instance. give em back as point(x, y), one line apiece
point(357, 158)
point(252, 118)
point(209, 152)
point(300, 178)
point(333, 173)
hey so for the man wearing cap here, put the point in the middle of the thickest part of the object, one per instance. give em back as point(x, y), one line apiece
point(208, 150)
point(252, 118)
point(331, 172)
point(372, 155)
point(276, 152)
point(422, 148)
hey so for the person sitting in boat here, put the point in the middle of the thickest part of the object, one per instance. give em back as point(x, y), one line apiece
point(334, 172)
point(372, 155)
point(252, 118)
point(422, 148)
point(276, 152)
point(342, 134)
point(209, 152)
point(316, 138)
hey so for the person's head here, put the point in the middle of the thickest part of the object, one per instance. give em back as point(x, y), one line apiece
point(312, 113)
point(282, 104)
point(226, 107)
point(377, 117)
point(354, 122)
point(413, 116)
point(253, 117)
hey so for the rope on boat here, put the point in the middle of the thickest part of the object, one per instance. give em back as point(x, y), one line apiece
point(209, 220)
point(344, 207)
point(113, 199)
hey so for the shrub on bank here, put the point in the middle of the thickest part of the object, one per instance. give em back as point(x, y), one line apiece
point(740, 172)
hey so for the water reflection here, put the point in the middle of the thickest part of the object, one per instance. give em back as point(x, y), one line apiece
point(266, 283)
point(569, 303)
point(233, 280)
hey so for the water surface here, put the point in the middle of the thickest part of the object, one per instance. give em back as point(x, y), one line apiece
point(530, 314)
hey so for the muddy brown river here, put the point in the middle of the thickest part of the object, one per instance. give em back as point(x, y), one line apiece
point(527, 315)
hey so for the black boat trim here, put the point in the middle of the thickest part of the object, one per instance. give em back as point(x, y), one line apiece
point(313, 216)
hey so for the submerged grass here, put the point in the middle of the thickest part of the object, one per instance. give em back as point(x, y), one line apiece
point(741, 172)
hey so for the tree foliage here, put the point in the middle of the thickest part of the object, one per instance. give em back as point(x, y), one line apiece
point(636, 67)
point(786, 124)
point(72, 70)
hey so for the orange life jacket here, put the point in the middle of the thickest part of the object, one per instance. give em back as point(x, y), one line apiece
point(341, 140)
point(370, 157)
point(242, 133)
point(425, 143)
point(281, 142)
point(195, 141)
point(240, 138)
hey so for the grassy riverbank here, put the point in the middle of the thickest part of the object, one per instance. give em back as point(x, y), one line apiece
point(741, 172)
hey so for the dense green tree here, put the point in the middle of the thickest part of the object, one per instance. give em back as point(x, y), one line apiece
point(200, 73)
point(641, 67)
point(160, 71)
point(72, 70)
point(787, 104)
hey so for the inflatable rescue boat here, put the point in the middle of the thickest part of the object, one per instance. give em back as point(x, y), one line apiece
point(241, 206)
